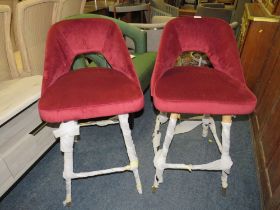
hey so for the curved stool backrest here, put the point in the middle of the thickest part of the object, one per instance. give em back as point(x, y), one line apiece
point(214, 37)
point(63, 43)
point(138, 36)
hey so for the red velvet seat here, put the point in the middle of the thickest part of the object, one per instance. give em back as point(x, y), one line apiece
point(69, 96)
point(90, 93)
point(198, 90)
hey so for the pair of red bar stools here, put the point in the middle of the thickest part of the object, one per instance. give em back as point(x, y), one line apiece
point(69, 96)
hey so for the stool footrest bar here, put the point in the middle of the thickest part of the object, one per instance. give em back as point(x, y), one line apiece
point(100, 172)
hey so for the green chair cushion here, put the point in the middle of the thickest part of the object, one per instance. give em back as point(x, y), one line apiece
point(144, 65)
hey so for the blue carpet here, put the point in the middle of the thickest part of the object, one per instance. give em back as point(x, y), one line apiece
point(103, 147)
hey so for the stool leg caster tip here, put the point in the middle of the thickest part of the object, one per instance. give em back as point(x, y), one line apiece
point(139, 189)
point(68, 201)
point(154, 189)
point(224, 191)
point(67, 204)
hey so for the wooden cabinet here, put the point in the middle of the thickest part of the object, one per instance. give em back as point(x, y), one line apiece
point(258, 30)
point(259, 43)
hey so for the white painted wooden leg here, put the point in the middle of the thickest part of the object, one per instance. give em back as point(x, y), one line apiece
point(161, 118)
point(225, 157)
point(224, 178)
point(212, 127)
point(160, 157)
point(130, 150)
point(67, 131)
point(157, 180)
point(156, 135)
point(205, 126)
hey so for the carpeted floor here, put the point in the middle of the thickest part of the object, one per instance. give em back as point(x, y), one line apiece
point(103, 147)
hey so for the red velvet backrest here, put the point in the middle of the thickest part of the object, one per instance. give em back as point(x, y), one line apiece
point(69, 38)
point(212, 36)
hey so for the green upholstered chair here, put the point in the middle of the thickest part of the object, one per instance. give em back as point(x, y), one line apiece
point(143, 60)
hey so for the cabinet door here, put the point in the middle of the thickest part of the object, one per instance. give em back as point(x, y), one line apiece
point(256, 50)
point(268, 114)
point(267, 123)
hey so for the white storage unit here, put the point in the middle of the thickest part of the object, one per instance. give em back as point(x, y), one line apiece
point(23, 136)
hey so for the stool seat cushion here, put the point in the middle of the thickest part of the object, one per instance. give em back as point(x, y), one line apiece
point(202, 90)
point(90, 93)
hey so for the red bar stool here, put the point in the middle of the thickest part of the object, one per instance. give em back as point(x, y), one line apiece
point(220, 90)
point(68, 96)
